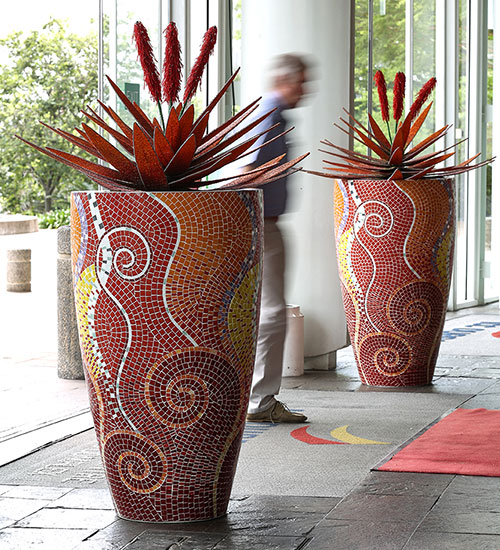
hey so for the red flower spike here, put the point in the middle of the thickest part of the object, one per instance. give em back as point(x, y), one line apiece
point(172, 65)
point(398, 95)
point(422, 96)
point(148, 61)
point(382, 95)
point(196, 73)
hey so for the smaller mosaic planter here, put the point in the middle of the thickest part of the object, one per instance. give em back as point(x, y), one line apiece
point(167, 291)
point(395, 241)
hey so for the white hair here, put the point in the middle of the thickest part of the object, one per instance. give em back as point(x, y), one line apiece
point(285, 66)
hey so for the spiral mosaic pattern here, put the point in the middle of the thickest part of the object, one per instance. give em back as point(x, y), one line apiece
point(395, 242)
point(167, 289)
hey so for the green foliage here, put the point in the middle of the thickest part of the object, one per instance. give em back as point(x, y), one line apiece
point(49, 77)
point(54, 219)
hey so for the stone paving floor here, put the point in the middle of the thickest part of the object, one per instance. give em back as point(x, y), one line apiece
point(384, 510)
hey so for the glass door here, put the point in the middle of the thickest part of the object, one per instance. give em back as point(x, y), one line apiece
point(454, 40)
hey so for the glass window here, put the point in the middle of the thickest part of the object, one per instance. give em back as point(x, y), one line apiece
point(424, 57)
point(464, 245)
point(490, 291)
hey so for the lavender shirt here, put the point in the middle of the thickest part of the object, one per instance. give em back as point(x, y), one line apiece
point(274, 192)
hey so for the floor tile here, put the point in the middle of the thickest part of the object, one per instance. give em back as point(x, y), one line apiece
point(471, 485)
point(451, 521)
point(87, 499)
point(451, 541)
point(35, 492)
point(235, 541)
point(359, 535)
point(383, 508)
point(483, 400)
point(42, 539)
point(487, 501)
point(404, 483)
point(15, 509)
point(64, 518)
point(268, 515)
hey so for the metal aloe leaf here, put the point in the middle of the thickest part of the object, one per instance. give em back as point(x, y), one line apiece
point(395, 161)
point(173, 152)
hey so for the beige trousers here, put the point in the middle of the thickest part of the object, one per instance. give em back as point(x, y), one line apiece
point(272, 326)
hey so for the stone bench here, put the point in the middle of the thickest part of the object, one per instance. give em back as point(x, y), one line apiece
point(12, 224)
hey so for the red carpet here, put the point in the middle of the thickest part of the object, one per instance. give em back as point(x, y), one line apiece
point(467, 441)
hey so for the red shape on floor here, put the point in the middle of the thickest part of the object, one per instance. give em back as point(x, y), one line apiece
point(301, 435)
point(496, 334)
point(466, 442)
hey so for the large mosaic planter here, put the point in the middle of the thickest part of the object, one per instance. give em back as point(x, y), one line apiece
point(395, 242)
point(167, 290)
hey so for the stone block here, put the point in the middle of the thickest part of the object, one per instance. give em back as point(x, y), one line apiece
point(69, 358)
point(19, 270)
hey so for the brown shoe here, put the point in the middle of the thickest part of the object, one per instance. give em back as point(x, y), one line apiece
point(278, 413)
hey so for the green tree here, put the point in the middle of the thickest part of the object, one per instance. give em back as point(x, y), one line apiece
point(389, 42)
point(50, 76)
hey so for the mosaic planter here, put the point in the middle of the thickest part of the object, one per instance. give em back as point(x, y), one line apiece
point(167, 290)
point(395, 243)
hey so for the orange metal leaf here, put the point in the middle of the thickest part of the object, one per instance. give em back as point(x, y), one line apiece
point(124, 141)
point(218, 97)
point(418, 124)
point(267, 175)
point(186, 123)
point(246, 177)
point(126, 167)
point(183, 157)
point(396, 175)
point(396, 157)
point(219, 133)
point(172, 132)
point(208, 151)
point(162, 147)
point(433, 161)
point(401, 135)
point(125, 128)
point(148, 165)
point(200, 126)
point(368, 142)
point(83, 143)
point(143, 121)
point(378, 133)
point(427, 142)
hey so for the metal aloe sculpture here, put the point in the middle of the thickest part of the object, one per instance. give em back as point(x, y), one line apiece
point(394, 159)
point(176, 152)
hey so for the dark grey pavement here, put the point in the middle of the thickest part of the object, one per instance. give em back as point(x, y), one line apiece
point(287, 494)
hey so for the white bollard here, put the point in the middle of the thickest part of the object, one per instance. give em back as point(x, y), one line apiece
point(293, 353)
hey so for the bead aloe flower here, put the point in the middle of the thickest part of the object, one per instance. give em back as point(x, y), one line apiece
point(175, 153)
point(397, 158)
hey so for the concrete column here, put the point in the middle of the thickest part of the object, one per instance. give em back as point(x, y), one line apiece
point(19, 270)
point(320, 29)
point(69, 358)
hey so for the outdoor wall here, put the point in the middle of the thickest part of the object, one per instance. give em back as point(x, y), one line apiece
point(320, 29)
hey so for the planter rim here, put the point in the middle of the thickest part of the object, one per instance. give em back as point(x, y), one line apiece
point(193, 191)
point(420, 181)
